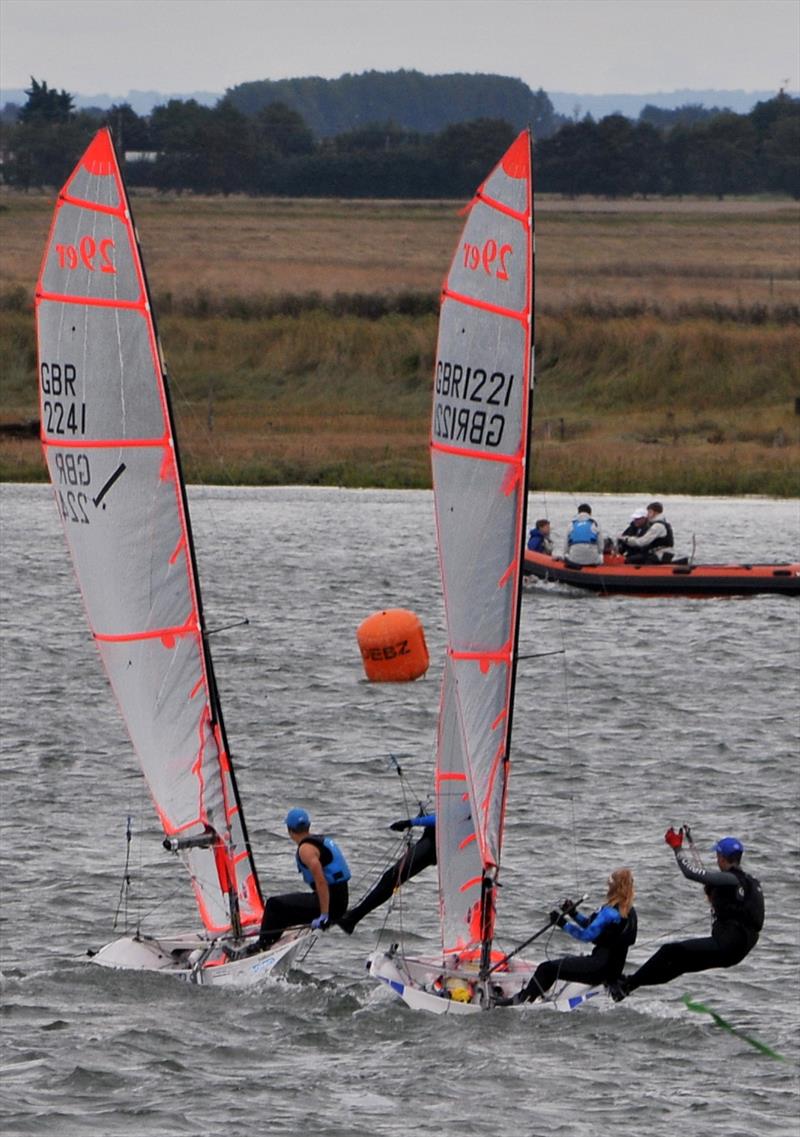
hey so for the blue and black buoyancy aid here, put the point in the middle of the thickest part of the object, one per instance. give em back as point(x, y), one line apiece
point(614, 941)
point(616, 932)
point(334, 865)
point(741, 905)
point(583, 531)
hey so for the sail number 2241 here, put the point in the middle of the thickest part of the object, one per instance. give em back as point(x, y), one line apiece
point(64, 412)
point(71, 478)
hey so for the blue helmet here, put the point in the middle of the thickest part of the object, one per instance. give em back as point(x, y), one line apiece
point(729, 847)
point(297, 819)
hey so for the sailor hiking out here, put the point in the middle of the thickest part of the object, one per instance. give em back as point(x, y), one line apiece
point(612, 929)
point(419, 855)
point(737, 906)
point(323, 867)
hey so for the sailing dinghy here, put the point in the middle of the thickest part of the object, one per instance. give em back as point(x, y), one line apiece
point(109, 443)
point(480, 442)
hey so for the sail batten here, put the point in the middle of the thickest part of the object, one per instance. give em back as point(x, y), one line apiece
point(94, 301)
point(108, 440)
point(495, 309)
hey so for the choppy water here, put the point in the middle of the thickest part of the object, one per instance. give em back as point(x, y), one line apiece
point(657, 712)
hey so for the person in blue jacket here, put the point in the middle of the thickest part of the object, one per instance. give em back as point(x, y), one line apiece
point(584, 543)
point(421, 854)
point(612, 930)
point(539, 540)
point(323, 867)
point(737, 906)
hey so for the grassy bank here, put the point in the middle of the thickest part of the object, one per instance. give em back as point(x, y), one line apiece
point(622, 404)
point(300, 339)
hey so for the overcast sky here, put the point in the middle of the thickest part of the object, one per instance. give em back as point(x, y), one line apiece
point(586, 46)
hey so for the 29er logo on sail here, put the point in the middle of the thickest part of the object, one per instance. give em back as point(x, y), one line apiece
point(470, 404)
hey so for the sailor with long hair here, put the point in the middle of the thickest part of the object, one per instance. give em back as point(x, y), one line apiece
point(612, 930)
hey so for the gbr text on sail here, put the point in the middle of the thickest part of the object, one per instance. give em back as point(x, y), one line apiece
point(471, 404)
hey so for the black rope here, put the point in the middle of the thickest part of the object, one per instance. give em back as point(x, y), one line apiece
point(125, 884)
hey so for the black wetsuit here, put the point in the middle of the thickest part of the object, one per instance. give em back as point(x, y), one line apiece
point(738, 915)
point(421, 855)
point(292, 908)
point(604, 965)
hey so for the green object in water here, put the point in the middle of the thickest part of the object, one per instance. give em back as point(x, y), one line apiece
point(702, 1009)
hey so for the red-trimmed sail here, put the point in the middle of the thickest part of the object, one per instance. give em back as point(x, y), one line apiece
point(479, 453)
point(110, 450)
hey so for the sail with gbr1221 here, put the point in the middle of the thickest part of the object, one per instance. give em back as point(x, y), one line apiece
point(480, 447)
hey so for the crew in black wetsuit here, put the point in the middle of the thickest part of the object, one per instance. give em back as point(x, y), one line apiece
point(418, 856)
point(612, 930)
point(323, 867)
point(737, 905)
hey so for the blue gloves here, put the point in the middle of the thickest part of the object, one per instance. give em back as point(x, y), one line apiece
point(320, 923)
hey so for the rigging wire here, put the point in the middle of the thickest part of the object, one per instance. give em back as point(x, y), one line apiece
point(400, 848)
point(562, 651)
point(125, 884)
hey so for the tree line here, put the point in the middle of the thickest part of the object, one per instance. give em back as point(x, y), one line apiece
point(183, 146)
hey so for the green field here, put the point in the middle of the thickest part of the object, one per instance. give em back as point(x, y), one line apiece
point(300, 339)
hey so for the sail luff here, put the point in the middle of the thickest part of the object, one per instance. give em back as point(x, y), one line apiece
point(108, 437)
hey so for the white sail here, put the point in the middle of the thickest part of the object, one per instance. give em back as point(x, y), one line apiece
point(110, 450)
point(479, 448)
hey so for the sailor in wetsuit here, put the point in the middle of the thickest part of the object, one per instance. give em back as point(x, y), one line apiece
point(418, 856)
point(612, 930)
point(322, 865)
point(737, 905)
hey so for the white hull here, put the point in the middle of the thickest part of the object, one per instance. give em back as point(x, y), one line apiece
point(426, 984)
point(197, 959)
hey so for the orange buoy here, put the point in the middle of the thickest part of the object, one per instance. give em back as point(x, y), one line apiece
point(393, 646)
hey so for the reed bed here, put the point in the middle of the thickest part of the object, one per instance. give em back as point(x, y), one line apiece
point(300, 338)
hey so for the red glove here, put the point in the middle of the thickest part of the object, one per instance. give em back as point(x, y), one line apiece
point(673, 839)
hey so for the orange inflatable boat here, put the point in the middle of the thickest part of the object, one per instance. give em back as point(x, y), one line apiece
point(678, 578)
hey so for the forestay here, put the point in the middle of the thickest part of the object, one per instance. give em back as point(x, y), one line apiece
point(479, 444)
point(108, 440)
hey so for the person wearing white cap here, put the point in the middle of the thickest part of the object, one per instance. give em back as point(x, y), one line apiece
point(737, 906)
point(634, 528)
point(654, 543)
